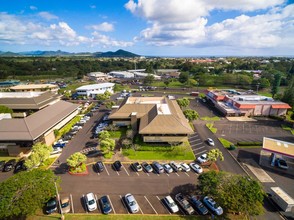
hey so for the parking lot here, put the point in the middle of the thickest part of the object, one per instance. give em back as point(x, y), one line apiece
point(148, 188)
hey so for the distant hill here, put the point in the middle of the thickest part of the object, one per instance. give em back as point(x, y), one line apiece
point(118, 53)
point(41, 53)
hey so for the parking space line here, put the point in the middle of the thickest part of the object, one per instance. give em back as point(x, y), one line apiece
point(201, 152)
point(187, 174)
point(71, 202)
point(177, 174)
point(200, 147)
point(141, 210)
point(147, 174)
point(125, 170)
point(106, 170)
point(111, 204)
point(163, 205)
point(199, 143)
point(137, 174)
point(123, 202)
point(98, 207)
point(167, 174)
point(117, 172)
point(151, 205)
point(84, 201)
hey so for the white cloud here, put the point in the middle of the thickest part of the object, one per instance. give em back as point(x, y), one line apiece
point(177, 22)
point(20, 31)
point(105, 27)
point(33, 8)
point(48, 16)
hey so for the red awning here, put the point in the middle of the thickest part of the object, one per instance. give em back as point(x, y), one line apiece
point(246, 106)
point(283, 106)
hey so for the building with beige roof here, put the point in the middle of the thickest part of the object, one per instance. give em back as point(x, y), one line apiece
point(35, 88)
point(157, 119)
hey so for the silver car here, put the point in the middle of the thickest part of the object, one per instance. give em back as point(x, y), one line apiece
point(131, 203)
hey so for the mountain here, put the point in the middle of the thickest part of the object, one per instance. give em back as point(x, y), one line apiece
point(118, 53)
point(46, 53)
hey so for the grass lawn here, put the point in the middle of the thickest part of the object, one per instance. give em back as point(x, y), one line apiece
point(4, 156)
point(287, 128)
point(225, 142)
point(211, 128)
point(175, 84)
point(160, 152)
point(206, 118)
point(118, 134)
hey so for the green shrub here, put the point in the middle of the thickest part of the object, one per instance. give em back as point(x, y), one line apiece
point(249, 143)
point(80, 169)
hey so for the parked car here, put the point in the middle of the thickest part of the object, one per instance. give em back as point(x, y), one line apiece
point(99, 166)
point(202, 158)
point(117, 165)
point(82, 121)
point(147, 167)
point(2, 163)
point(136, 167)
point(185, 167)
point(9, 165)
point(67, 137)
point(176, 167)
point(281, 163)
point(198, 205)
point(170, 203)
point(167, 168)
point(65, 205)
point(60, 145)
point(89, 114)
point(131, 203)
point(212, 205)
point(76, 127)
point(56, 150)
point(184, 204)
point(90, 202)
point(105, 205)
point(20, 166)
point(210, 142)
point(51, 206)
point(157, 167)
point(73, 131)
point(196, 167)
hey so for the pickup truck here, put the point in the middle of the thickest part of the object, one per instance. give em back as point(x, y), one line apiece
point(184, 204)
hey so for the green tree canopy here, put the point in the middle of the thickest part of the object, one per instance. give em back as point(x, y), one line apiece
point(235, 193)
point(184, 102)
point(24, 193)
point(191, 114)
point(76, 159)
point(276, 84)
point(149, 79)
point(107, 145)
point(4, 109)
point(103, 135)
point(40, 153)
point(288, 95)
point(215, 154)
point(183, 77)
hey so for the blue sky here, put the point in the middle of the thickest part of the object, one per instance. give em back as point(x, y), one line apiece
point(150, 27)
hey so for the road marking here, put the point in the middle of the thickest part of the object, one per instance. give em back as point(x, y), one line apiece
point(98, 207)
point(151, 205)
point(187, 174)
point(163, 205)
point(167, 174)
point(117, 172)
point(201, 152)
point(147, 174)
point(123, 202)
point(195, 140)
point(141, 210)
point(200, 147)
point(111, 204)
point(71, 202)
point(199, 143)
point(106, 170)
point(177, 174)
point(125, 170)
point(137, 174)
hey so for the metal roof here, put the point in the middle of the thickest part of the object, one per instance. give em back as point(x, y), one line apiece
point(95, 86)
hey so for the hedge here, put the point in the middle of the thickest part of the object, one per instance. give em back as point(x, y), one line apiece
point(249, 143)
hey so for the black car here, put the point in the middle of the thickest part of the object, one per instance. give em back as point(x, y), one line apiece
point(105, 205)
point(99, 166)
point(51, 206)
point(20, 166)
point(117, 165)
point(198, 205)
point(9, 165)
point(2, 163)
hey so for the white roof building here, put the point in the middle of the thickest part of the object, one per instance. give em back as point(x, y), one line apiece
point(121, 74)
point(94, 89)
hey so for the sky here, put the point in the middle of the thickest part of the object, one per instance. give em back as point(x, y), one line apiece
point(150, 27)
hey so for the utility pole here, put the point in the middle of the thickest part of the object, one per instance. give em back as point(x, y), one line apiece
point(58, 198)
point(257, 86)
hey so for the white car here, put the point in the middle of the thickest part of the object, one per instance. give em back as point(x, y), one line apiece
point(82, 121)
point(56, 150)
point(131, 203)
point(77, 127)
point(176, 167)
point(202, 158)
point(196, 167)
point(91, 202)
point(210, 142)
point(167, 168)
point(185, 167)
point(170, 203)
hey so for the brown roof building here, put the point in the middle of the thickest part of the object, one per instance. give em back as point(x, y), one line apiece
point(18, 135)
point(157, 119)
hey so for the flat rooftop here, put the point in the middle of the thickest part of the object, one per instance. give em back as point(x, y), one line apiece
point(34, 86)
point(19, 94)
point(95, 86)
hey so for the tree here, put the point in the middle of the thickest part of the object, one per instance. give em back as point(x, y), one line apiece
point(107, 145)
point(288, 95)
point(235, 193)
point(26, 192)
point(149, 79)
point(76, 159)
point(215, 154)
point(276, 84)
point(40, 153)
point(109, 104)
point(183, 77)
point(191, 114)
point(4, 109)
point(167, 82)
point(184, 102)
point(104, 135)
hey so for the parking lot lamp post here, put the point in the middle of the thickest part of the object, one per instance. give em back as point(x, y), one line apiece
point(257, 86)
point(58, 198)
